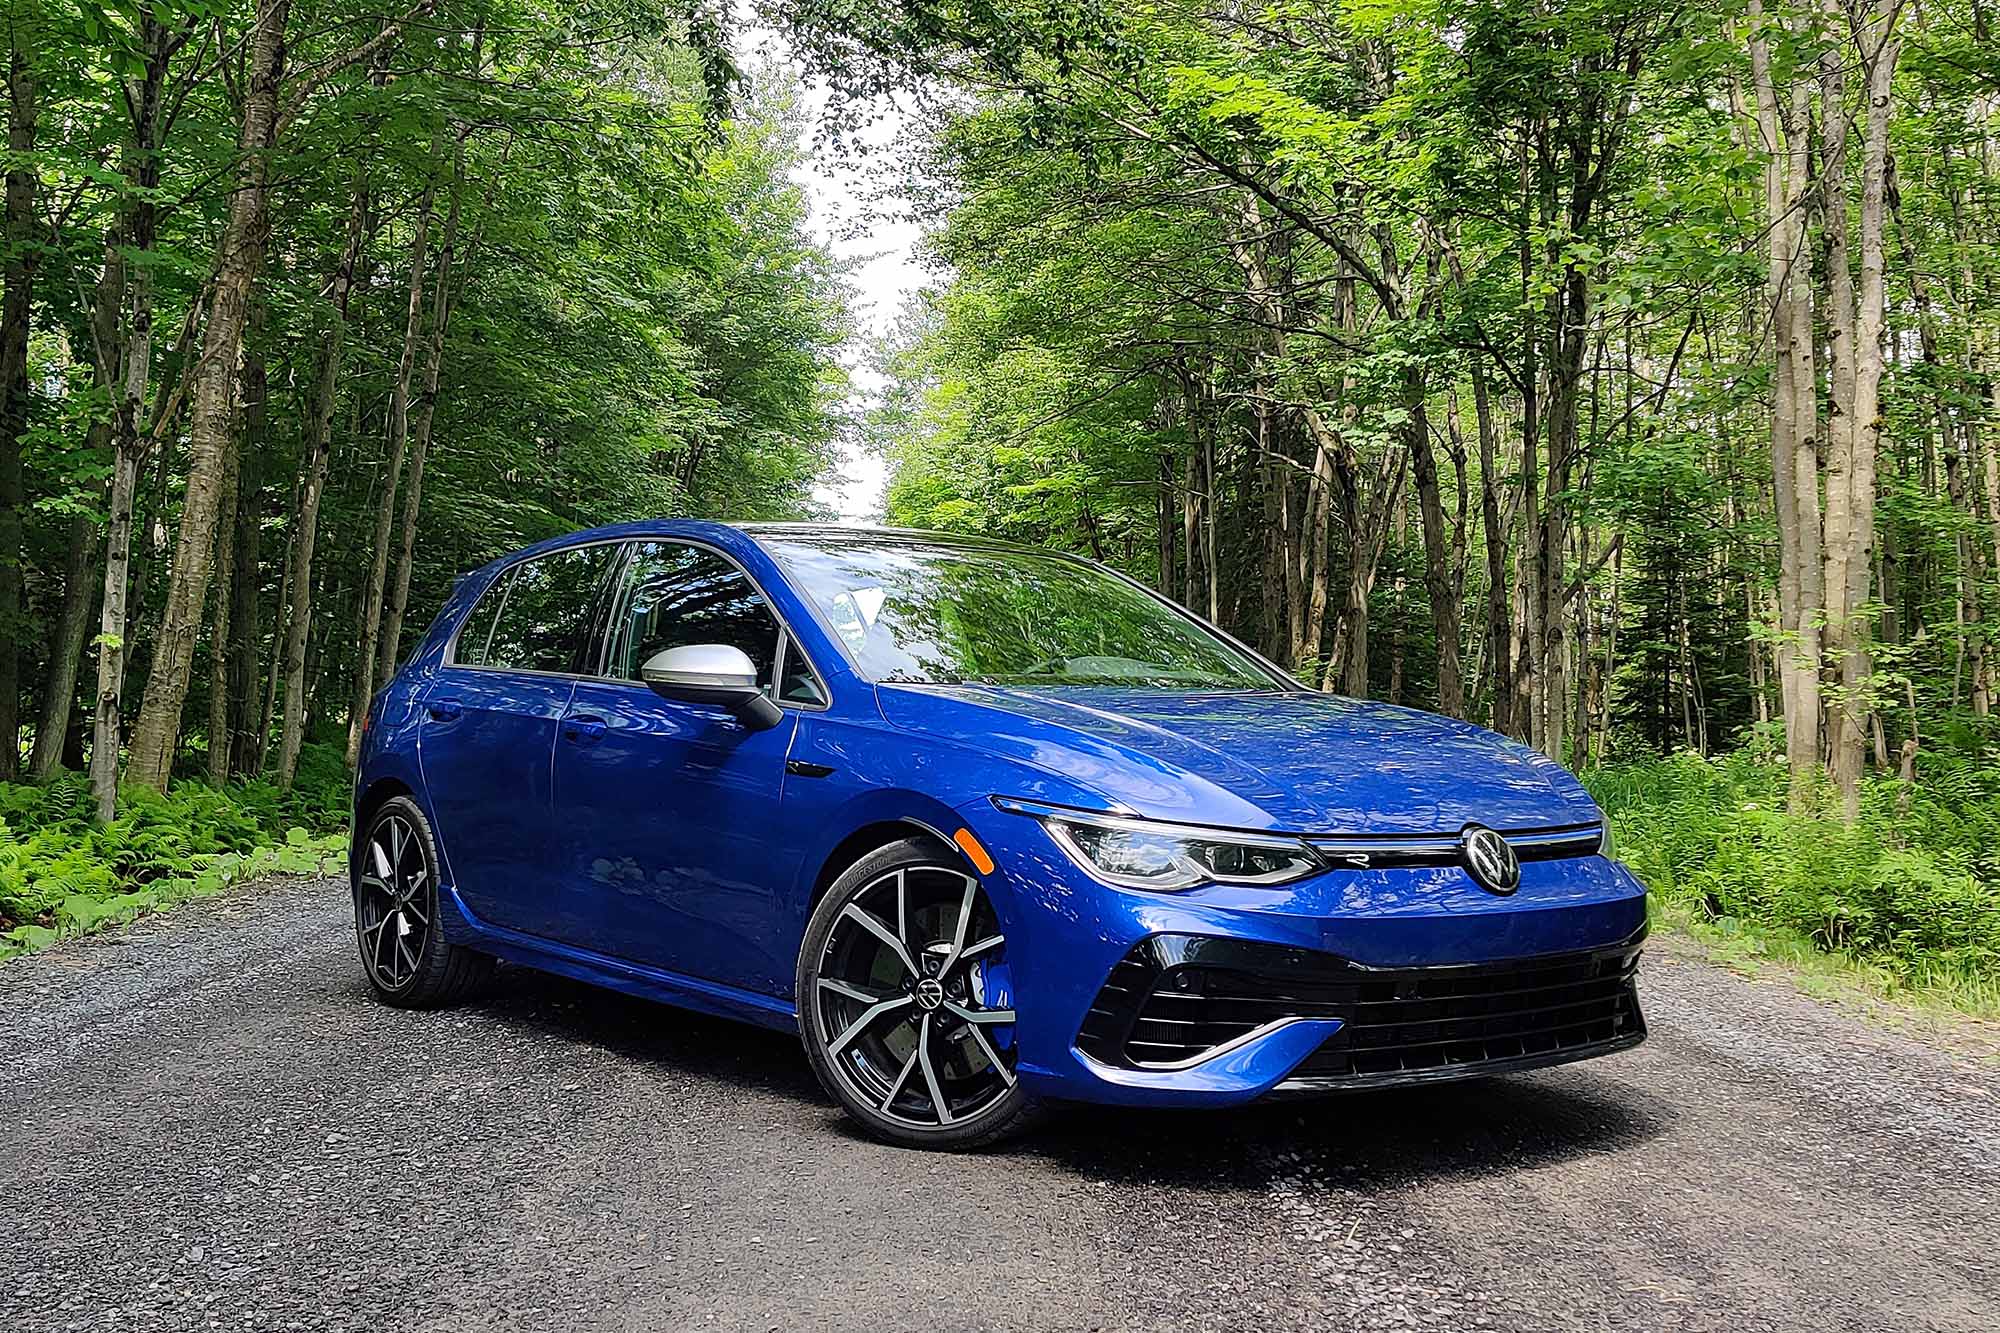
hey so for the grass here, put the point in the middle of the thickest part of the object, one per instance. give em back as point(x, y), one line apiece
point(62, 875)
point(1903, 905)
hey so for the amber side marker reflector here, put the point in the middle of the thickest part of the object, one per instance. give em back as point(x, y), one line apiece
point(973, 851)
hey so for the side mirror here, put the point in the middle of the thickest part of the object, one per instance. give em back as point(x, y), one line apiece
point(711, 673)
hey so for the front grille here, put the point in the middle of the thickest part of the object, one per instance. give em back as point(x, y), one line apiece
point(1175, 999)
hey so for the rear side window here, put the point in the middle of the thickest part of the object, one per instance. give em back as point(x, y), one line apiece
point(676, 595)
point(535, 616)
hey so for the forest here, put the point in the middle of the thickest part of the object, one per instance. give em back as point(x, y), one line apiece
point(1622, 376)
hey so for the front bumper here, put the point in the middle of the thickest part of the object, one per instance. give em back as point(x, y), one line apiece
point(1351, 979)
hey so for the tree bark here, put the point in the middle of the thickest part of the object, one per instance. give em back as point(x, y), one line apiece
point(218, 637)
point(157, 733)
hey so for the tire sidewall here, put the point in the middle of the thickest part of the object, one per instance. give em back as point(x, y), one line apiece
point(995, 1122)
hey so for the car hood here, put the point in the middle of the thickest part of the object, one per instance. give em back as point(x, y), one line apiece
point(1298, 761)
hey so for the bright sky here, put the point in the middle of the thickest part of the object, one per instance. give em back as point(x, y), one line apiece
point(881, 244)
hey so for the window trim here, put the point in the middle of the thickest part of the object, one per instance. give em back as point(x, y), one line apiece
point(506, 574)
point(597, 651)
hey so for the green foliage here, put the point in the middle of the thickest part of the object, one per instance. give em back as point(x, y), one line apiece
point(60, 875)
point(1912, 886)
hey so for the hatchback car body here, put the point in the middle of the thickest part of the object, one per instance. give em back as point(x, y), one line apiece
point(987, 826)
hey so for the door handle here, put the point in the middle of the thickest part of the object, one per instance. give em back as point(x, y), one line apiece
point(582, 730)
point(444, 710)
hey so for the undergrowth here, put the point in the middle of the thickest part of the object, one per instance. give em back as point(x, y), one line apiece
point(1910, 891)
point(63, 875)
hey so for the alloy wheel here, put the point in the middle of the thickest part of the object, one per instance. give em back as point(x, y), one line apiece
point(915, 1009)
point(393, 904)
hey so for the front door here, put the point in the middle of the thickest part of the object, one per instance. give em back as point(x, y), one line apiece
point(668, 812)
point(489, 732)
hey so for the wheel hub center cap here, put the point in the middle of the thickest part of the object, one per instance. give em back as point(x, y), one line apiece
point(930, 993)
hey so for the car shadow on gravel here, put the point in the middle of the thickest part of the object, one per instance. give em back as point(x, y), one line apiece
point(1376, 1139)
point(1477, 1127)
point(692, 1044)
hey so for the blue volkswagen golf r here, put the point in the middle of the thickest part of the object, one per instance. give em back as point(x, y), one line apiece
point(986, 826)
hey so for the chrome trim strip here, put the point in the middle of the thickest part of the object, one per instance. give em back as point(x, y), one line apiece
point(1531, 839)
point(1234, 1043)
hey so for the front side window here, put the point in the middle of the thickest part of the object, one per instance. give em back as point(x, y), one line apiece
point(542, 609)
point(673, 595)
point(922, 614)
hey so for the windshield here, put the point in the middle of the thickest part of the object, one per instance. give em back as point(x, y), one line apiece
point(941, 615)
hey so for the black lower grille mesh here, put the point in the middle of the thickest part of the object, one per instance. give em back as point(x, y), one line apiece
point(1174, 999)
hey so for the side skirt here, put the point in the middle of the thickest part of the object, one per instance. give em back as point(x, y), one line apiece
point(650, 983)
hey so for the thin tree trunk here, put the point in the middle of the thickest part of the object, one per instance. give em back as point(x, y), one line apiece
point(245, 719)
point(134, 232)
point(1438, 583)
point(385, 509)
point(21, 227)
point(420, 428)
point(218, 639)
point(1870, 327)
point(312, 486)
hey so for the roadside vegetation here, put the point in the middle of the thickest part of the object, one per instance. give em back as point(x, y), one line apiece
point(62, 873)
point(1907, 895)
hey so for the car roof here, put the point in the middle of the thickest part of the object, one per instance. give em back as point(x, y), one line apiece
point(765, 534)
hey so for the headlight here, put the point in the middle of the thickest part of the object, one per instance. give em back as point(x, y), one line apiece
point(1607, 842)
point(1142, 854)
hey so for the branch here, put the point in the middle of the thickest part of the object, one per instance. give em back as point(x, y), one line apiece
point(310, 79)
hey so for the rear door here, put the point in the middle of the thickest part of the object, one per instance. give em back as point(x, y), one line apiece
point(489, 730)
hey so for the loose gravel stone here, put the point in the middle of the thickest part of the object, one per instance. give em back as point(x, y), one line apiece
point(211, 1125)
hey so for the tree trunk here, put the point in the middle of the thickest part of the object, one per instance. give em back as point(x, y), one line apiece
point(385, 508)
point(80, 590)
point(225, 593)
point(1870, 326)
point(1782, 138)
point(1498, 628)
point(245, 719)
point(157, 733)
point(420, 428)
point(312, 485)
point(1438, 584)
point(134, 232)
point(20, 266)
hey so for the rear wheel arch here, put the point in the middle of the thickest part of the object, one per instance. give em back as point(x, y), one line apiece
point(378, 793)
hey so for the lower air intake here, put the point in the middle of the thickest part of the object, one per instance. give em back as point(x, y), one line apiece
point(1176, 1000)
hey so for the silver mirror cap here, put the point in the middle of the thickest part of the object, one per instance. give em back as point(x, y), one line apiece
point(701, 666)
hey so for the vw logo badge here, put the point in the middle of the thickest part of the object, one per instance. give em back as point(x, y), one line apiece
point(1489, 859)
point(930, 994)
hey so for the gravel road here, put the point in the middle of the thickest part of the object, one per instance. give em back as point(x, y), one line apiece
point(209, 1125)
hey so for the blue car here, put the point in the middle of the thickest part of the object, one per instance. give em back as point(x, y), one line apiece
point(988, 827)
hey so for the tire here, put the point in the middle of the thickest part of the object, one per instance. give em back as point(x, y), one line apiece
point(916, 1021)
point(395, 881)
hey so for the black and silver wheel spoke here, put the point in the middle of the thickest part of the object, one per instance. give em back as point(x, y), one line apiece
point(900, 1001)
point(392, 903)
